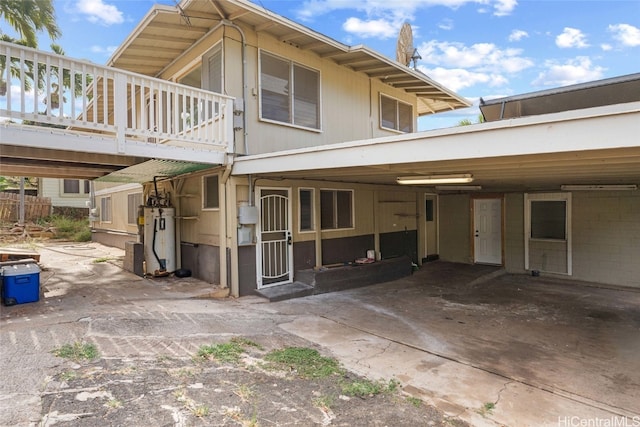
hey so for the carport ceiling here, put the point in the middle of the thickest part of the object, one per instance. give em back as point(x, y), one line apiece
point(498, 174)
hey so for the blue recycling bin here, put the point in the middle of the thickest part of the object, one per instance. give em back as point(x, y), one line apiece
point(20, 283)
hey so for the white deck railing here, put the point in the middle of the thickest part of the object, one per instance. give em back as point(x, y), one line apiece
point(45, 88)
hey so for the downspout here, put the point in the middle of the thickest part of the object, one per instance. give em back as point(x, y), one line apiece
point(245, 94)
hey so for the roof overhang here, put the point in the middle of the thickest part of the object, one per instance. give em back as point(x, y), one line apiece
point(591, 146)
point(150, 169)
point(584, 95)
point(166, 32)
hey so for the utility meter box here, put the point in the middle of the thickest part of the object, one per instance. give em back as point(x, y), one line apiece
point(247, 215)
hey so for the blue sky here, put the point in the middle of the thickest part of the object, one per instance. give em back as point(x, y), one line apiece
point(478, 48)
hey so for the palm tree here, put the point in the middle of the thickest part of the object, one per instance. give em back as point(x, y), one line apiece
point(27, 17)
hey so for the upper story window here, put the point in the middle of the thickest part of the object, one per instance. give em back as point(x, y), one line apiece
point(75, 186)
point(289, 92)
point(395, 115)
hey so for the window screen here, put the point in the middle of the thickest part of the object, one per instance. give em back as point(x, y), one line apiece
point(211, 196)
point(306, 210)
point(549, 219)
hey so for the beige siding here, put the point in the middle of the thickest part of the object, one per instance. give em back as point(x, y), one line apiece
point(514, 233)
point(397, 211)
point(54, 188)
point(455, 217)
point(349, 99)
point(119, 210)
point(606, 237)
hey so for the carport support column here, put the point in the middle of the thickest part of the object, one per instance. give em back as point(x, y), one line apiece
point(376, 224)
point(316, 220)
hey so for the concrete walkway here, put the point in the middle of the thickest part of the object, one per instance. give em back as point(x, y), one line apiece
point(494, 349)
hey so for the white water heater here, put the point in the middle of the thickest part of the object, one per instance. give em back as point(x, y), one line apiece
point(159, 241)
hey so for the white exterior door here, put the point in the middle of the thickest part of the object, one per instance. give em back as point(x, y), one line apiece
point(275, 249)
point(487, 227)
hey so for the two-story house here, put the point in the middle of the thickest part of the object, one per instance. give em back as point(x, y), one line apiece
point(293, 89)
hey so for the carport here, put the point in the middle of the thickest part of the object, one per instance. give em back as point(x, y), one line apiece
point(561, 187)
point(540, 351)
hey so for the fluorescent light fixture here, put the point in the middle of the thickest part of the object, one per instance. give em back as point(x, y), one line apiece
point(464, 178)
point(598, 187)
point(459, 187)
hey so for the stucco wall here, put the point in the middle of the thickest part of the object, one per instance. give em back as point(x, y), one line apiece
point(455, 218)
point(606, 237)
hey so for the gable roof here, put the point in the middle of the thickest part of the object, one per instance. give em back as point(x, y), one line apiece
point(616, 90)
point(166, 32)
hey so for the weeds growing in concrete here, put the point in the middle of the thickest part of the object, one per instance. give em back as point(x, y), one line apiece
point(305, 362)
point(77, 351)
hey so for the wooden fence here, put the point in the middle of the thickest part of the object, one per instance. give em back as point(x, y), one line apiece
point(35, 207)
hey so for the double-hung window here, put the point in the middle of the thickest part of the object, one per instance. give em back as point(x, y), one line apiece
point(105, 209)
point(134, 200)
point(395, 115)
point(289, 92)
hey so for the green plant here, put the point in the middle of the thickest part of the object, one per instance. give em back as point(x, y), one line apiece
point(414, 401)
point(306, 362)
point(200, 411)
point(246, 343)
point(225, 352)
point(487, 408)
point(323, 402)
point(68, 375)
point(100, 260)
point(244, 392)
point(69, 228)
point(362, 388)
point(77, 351)
point(113, 403)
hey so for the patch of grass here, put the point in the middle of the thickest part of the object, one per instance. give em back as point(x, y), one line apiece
point(103, 259)
point(362, 388)
point(69, 228)
point(229, 352)
point(200, 411)
point(68, 375)
point(306, 362)
point(244, 392)
point(113, 404)
point(414, 401)
point(77, 351)
point(246, 343)
point(487, 408)
point(324, 402)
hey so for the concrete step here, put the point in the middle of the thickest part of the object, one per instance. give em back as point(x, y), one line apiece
point(285, 292)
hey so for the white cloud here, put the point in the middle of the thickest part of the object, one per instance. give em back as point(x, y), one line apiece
point(446, 24)
point(99, 12)
point(483, 56)
point(626, 34)
point(395, 10)
point(606, 47)
point(378, 28)
point(571, 37)
point(577, 70)
point(458, 78)
point(517, 35)
point(504, 7)
point(103, 50)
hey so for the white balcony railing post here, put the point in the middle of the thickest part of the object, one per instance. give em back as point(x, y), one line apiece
point(227, 125)
point(120, 110)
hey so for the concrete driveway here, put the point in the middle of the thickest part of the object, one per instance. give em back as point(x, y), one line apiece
point(492, 348)
point(539, 351)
